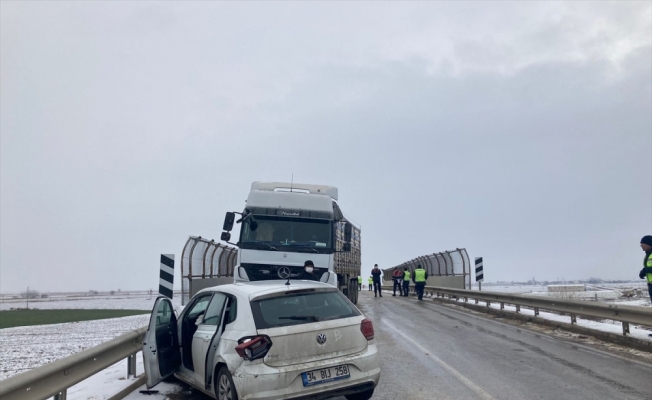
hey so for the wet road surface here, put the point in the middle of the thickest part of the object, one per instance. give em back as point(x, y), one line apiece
point(430, 351)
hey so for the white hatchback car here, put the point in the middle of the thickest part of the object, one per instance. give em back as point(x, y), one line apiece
point(265, 340)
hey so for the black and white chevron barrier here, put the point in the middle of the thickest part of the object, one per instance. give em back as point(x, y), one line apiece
point(167, 275)
point(479, 274)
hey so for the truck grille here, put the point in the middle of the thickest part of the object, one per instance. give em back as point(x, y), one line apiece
point(266, 272)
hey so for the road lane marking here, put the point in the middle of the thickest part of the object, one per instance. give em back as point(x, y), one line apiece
point(464, 380)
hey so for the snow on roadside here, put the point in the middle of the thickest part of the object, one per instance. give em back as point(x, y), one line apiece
point(105, 383)
point(134, 302)
point(27, 347)
point(608, 326)
point(611, 326)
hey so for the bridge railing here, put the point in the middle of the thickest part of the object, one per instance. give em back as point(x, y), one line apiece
point(54, 379)
point(450, 263)
point(574, 308)
point(204, 259)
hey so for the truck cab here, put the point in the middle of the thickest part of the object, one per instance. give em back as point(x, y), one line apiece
point(284, 225)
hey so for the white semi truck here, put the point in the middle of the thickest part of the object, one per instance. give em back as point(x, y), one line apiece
point(286, 224)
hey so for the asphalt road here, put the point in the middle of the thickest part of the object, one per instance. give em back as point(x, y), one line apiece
point(434, 352)
point(430, 351)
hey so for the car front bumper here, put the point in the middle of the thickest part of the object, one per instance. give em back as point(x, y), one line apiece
point(257, 381)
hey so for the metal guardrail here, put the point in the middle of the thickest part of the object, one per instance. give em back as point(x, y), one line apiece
point(55, 378)
point(624, 314)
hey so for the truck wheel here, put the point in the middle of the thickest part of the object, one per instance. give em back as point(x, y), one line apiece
point(355, 293)
point(353, 290)
point(349, 294)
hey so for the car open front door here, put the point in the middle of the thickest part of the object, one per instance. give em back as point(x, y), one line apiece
point(228, 310)
point(161, 345)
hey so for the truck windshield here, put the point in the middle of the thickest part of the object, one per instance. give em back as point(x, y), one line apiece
point(299, 234)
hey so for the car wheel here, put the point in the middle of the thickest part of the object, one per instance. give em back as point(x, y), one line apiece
point(225, 389)
point(366, 395)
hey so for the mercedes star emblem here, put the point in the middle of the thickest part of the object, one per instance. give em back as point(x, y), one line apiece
point(284, 272)
point(321, 338)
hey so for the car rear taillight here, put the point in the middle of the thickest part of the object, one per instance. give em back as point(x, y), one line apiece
point(253, 347)
point(367, 329)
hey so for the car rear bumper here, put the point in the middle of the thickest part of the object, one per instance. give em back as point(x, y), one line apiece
point(261, 382)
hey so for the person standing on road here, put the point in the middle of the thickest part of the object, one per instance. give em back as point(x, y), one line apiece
point(406, 282)
point(359, 282)
point(375, 274)
point(419, 278)
point(646, 272)
point(370, 281)
point(397, 276)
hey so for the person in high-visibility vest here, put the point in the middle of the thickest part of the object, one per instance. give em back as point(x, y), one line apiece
point(370, 281)
point(419, 278)
point(646, 272)
point(406, 282)
point(359, 282)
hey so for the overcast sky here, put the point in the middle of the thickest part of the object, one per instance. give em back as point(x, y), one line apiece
point(520, 131)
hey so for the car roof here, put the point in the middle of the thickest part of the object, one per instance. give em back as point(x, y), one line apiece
point(267, 287)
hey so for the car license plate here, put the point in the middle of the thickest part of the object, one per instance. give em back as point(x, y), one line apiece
point(325, 375)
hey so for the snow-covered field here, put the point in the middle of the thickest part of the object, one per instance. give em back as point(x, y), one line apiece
point(604, 292)
point(131, 301)
point(26, 347)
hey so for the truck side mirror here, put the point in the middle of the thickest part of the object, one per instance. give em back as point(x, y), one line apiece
point(228, 222)
point(226, 236)
point(347, 232)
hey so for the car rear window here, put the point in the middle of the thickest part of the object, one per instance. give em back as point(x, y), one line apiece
point(301, 308)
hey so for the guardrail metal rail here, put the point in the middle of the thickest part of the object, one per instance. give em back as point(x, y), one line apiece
point(622, 313)
point(54, 379)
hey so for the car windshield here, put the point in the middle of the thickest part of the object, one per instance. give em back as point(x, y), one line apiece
point(273, 233)
point(301, 308)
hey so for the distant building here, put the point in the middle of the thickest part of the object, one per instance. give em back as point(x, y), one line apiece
point(566, 288)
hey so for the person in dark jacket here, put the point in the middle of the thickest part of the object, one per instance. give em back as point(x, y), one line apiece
point(646, 272)
point(375, 274)
point(397, 277)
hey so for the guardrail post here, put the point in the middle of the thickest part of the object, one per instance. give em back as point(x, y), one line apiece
point(573, 319)
point(536, 311)
point(518, 308)
point(488, 303)
point(131, 365)
point(502, 306)
point(625, 328)
point(61, 395)
point(466, 299)
point(476, 301)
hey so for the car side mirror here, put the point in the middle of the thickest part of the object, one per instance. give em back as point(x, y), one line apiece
point(199, 320)
point(226, 236)
point(229, 219)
